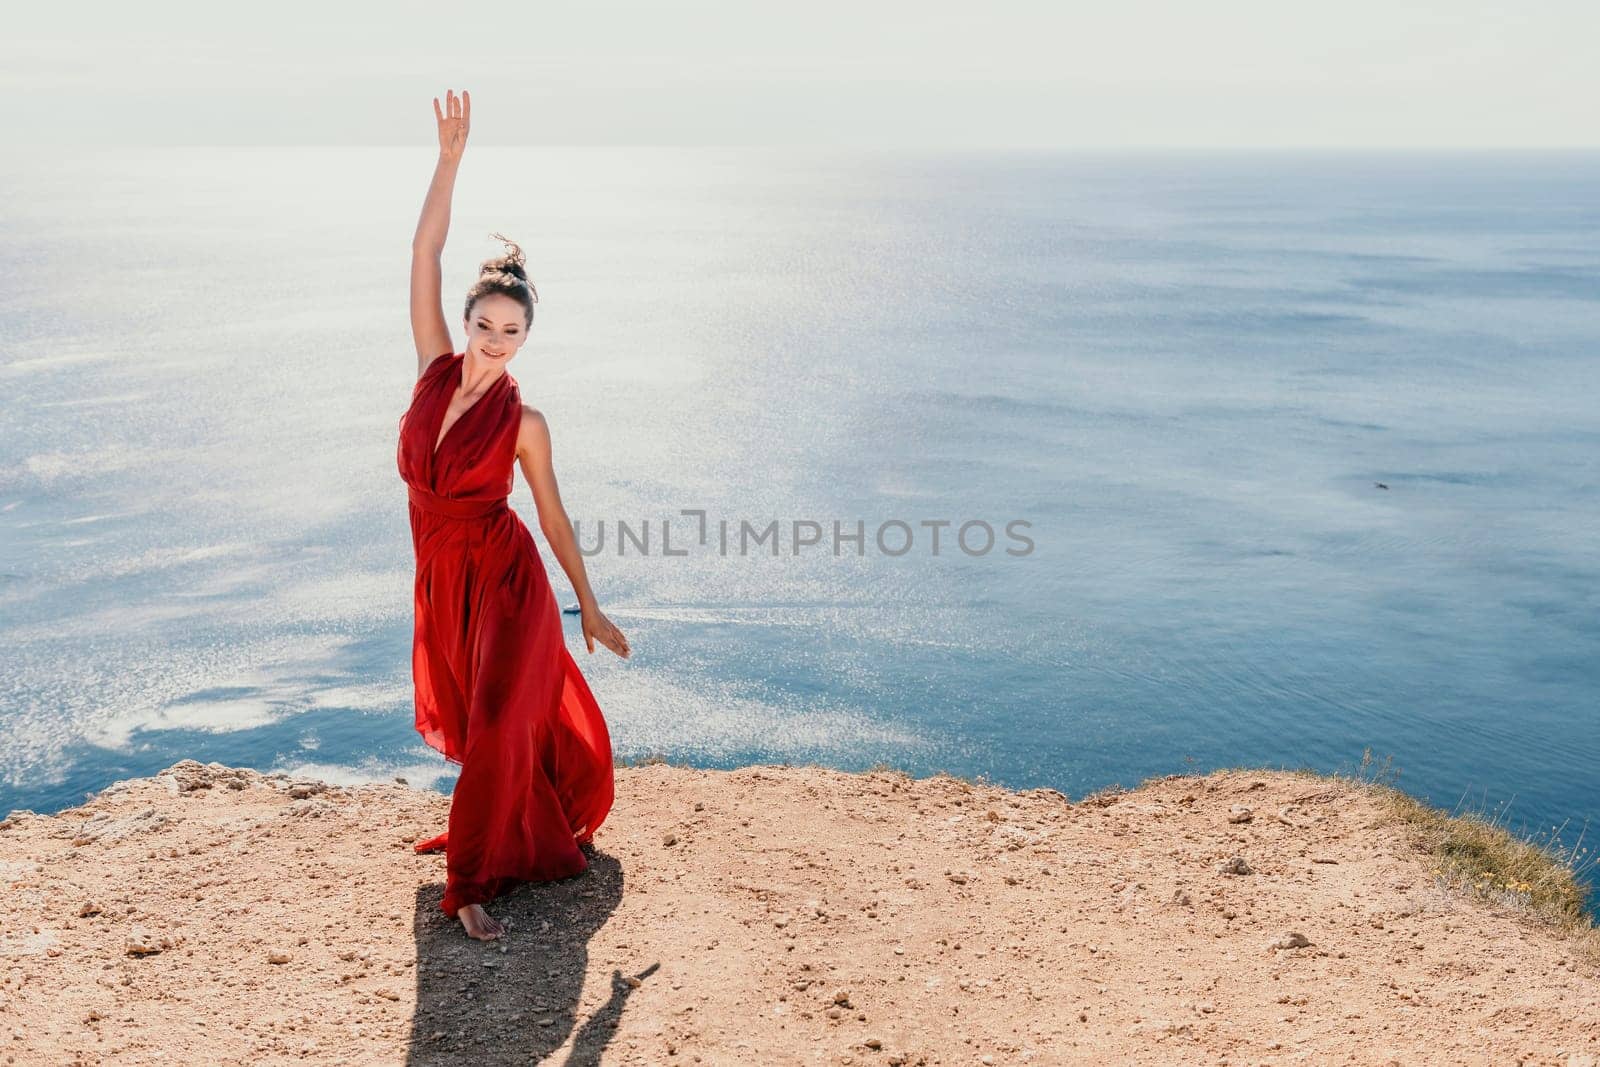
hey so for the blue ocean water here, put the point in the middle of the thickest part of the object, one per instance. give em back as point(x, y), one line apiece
point(1184, 377)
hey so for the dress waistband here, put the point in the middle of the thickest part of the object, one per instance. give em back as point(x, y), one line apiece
point(454, 509)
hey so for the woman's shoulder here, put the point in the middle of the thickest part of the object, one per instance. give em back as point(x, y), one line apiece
point(431, 374)
point(533, 432)
point(439, 362)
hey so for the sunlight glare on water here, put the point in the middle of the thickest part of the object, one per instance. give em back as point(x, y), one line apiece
point(1187, 374)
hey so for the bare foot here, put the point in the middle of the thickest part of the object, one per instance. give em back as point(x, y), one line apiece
point(479, 923)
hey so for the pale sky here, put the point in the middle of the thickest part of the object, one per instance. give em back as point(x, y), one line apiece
point(930, 73)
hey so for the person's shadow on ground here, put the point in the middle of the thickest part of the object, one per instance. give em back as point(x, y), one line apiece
point(479, 1005)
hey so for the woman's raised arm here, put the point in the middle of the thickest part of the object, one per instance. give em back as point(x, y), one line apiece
point(428, 327)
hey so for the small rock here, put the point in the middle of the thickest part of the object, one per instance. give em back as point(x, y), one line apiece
point(669, 840)
point(277, 956)
point(313, 807)
point(186, 776)
point(142, 942)
point(1292, 939)
point(1240, 813)
point(1236, 865)
point(105, 828)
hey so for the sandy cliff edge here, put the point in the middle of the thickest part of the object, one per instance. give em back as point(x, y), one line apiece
point(773, 915)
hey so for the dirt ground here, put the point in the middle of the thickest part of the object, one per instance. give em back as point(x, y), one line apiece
point(772, 915)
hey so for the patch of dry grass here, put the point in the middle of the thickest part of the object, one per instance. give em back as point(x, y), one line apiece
point(1470, 850)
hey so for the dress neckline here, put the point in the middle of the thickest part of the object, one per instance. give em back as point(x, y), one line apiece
point(460, 375)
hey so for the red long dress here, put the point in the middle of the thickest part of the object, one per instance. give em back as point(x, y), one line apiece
point(497, 691)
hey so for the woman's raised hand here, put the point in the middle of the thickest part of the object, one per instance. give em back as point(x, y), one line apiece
point(454, 122)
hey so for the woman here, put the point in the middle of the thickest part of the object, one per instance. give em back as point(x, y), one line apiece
point(497, 692)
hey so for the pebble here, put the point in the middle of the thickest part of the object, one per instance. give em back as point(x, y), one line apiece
point(142, 942)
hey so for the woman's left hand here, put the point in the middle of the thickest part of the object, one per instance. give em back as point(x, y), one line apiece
point(596, 627)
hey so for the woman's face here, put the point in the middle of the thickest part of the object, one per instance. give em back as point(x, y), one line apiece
point(496, 329)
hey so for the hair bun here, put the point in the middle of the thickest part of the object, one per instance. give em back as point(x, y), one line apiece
point(505, 266)
point(511, 263)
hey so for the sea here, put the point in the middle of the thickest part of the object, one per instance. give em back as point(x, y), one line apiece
point(1050, 469)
